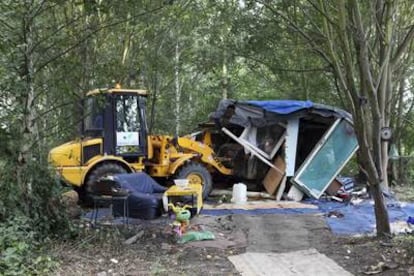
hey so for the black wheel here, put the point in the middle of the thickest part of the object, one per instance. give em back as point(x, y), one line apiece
point(197, 173)
point(103, 170)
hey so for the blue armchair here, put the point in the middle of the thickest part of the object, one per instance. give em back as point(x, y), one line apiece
point(145, 195)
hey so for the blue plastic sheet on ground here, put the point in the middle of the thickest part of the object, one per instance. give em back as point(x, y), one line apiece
point(287, 211)
point(347, 219)
point(360, 218)
point(357, 219)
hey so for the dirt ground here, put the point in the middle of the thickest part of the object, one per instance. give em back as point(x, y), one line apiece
point(102, 251)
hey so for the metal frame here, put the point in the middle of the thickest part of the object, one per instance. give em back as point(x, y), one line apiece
point(310, 158)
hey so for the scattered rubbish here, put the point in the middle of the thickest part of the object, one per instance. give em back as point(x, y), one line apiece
point(115, 261)
point(335, 214)
point(134, 238)
point(196, 236)
point(223, 199)
point(356, 201)
point(239, 193)
point(337, 198)
point(361, 192)
point(341, 189)
point(334, 187)
point(400, 227)
point(375, 269)
point(347, 184)
point(380, 267)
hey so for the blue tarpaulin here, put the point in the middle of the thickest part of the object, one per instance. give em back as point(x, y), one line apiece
point(360, 218)
point(252, 212)
point(346, 219)
point(282, 106)
point(260, 113)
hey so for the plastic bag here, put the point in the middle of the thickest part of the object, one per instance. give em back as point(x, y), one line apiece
point(196, 236)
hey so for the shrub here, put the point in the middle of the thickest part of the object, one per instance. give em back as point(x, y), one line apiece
point(21, 251)
point(30, 213)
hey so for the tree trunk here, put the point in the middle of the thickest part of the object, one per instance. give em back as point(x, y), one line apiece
point(155, 93)
point(177, 90)
point(25, 154)
point(225, 79)
point(381, 213)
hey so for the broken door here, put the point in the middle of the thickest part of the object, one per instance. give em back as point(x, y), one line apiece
point(327, 158)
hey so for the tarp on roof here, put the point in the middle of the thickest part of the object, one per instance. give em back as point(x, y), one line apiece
point(282, 106)
point(259, 113)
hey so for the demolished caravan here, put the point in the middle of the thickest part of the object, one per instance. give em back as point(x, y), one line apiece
point(299, 145)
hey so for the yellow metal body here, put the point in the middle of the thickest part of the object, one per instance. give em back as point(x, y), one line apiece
point(165, 154)
point(205, 152)
point(169, 153)
point(67, 159)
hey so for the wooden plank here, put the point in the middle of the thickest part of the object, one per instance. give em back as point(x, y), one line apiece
point(274, 177)
point(281, 189)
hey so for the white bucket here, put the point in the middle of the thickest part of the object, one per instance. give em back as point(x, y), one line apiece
point(239, 193)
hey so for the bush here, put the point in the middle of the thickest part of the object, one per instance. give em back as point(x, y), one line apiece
point(29, 213)
point(38, 198)
point(21, 251)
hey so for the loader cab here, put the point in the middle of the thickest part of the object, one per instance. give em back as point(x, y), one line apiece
point(118, 117)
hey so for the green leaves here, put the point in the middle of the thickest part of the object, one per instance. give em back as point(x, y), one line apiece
point(19, 247)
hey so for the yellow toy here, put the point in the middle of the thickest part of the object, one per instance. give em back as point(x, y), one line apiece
point(182, 218)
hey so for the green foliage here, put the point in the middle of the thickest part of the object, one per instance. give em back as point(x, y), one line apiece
point(39, 200)
point(29, 216)
point(20, 248)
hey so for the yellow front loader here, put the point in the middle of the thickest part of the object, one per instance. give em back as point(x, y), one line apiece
point(115, 140)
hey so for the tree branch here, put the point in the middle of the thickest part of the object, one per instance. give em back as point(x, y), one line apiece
point(93, 32)
point(403, 46)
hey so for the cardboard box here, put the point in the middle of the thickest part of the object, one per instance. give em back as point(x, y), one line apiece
point(273, 178)
point(333, 187)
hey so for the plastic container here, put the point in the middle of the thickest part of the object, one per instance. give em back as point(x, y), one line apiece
point(239, 193)
point(183, 183)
